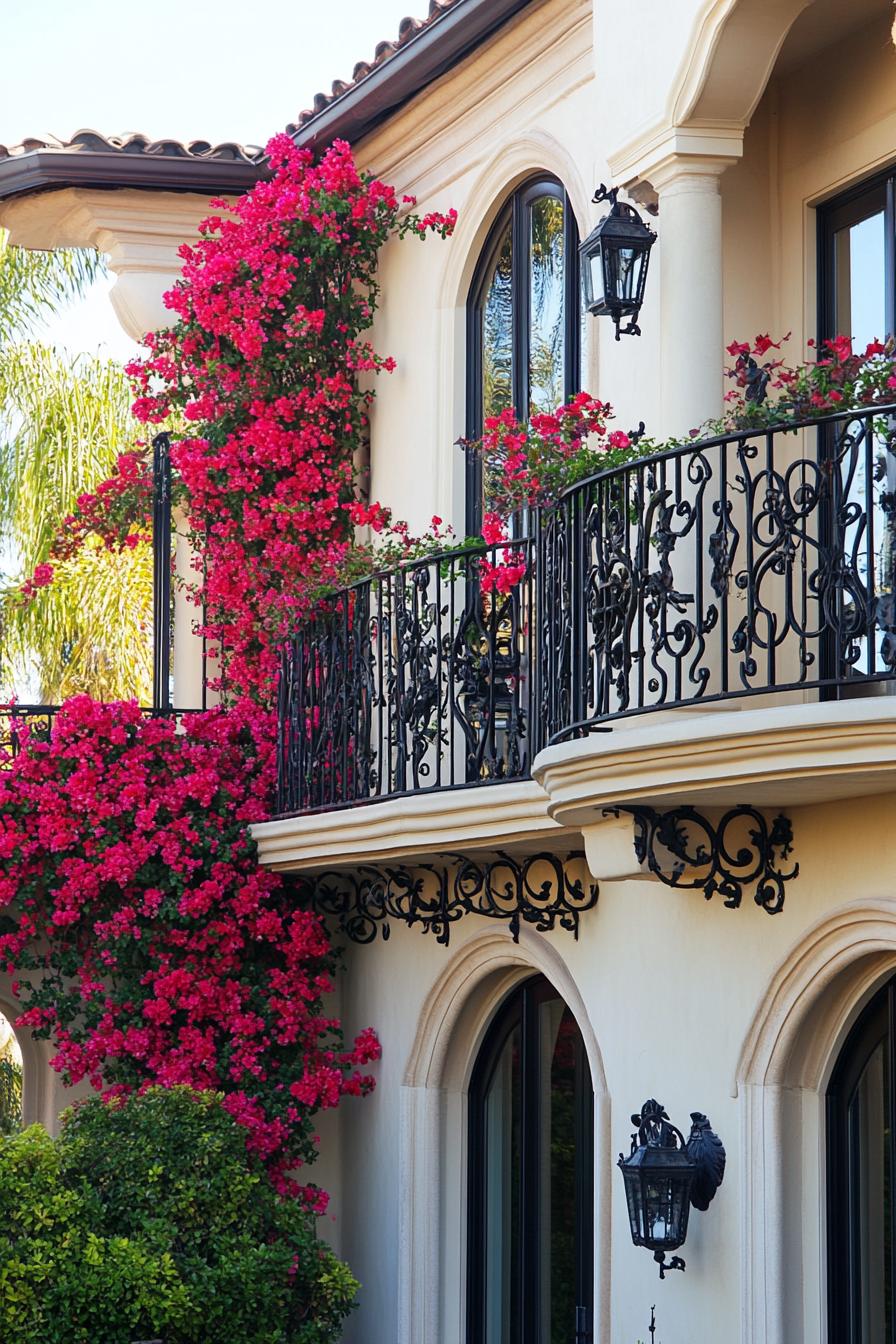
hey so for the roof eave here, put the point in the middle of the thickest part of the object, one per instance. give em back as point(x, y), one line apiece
point(421, 60)
point(49, 169)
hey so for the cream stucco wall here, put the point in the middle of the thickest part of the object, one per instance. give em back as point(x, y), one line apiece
point(682, 999)
point(551, 93)
point(525, 104)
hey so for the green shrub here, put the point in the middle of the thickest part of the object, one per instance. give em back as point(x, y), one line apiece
point(147, 1219)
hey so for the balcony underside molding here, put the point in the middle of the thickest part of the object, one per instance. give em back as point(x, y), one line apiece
point(699, 801)
point(783, 756)
point(545, 891)
point(490, 817)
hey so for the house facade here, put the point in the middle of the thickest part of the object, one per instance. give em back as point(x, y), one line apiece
point(624, 832)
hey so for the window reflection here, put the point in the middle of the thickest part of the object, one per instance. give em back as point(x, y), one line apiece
point(547, 288)
point(526, 327)
point(869, 1141)
point(861, 1113)
point(497, 332)
point(860, 311)
point(502, 1188)
point(559, 1035)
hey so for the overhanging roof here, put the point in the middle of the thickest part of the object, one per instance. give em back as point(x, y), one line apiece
point(93, 160)
point(425, 49)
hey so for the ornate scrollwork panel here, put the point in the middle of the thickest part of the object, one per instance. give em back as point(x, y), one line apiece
point(546, 891)
point(740, 852)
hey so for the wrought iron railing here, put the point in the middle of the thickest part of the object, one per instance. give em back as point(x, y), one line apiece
point(752, 563)
point(413, 679)
point(756, 563)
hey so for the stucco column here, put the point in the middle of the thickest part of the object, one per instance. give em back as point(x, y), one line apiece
point(690, 248)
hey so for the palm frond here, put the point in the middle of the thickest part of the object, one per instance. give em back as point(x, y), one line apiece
point(90, 631)
point(33, 285)
point(63, 423)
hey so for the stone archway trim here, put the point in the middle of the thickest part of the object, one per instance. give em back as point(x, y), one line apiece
point(431, 1219)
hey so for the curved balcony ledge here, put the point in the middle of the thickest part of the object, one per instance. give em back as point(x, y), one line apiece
point(784, 755)
point(509, 817)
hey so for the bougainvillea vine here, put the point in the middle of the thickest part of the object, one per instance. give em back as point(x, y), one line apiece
point(144, 938)
point(149, 943)
point(273, 307)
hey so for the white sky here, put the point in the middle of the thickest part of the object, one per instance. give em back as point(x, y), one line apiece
point(188, 69)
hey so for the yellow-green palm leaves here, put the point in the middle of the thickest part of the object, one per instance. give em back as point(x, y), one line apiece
point(63, 423)
point(33, 285)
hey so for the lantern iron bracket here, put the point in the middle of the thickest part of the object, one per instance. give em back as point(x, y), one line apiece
point(542, 890)
point(685, 849)
point(665, 1265)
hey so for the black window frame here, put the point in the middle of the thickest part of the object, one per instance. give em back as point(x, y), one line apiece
point(876, 1023)
point(850, 207)
point(520, 1008)
point(860, 201)
point(515, 212)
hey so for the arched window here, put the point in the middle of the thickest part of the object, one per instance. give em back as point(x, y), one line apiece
point(530, 1237)
point(861, 1122)
point(524, 317)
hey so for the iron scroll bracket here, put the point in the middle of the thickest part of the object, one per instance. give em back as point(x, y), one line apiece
point(742, 851)
point(545, 891)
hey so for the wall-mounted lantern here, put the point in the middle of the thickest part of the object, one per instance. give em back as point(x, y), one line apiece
point(664, 1176)
point(614, 259)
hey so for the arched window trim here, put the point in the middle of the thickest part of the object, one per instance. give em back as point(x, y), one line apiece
point(520, 1009)
point(515, 212)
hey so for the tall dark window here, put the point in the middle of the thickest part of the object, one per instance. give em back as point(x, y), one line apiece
point(857, 298)
point(530, 1245)
point(524, 317)
point(858, 263)
point(861, 1118)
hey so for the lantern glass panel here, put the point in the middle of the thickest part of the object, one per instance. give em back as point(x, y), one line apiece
point(657, 1193)
point(666, 1209)
point(598, 293)
point(624, 266)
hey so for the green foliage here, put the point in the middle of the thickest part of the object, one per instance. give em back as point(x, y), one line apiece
point(63, 424)
point(33, 285)
point(147, 1219)
point(10, 1093)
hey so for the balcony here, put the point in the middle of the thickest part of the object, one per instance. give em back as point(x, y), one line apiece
point(660, 601)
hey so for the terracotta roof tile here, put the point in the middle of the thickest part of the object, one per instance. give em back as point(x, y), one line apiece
point(385, 50)
point(134, 142)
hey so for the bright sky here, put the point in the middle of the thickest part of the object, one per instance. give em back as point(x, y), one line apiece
point(188, 69)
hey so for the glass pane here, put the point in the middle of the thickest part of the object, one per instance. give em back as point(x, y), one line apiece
point(558, 1035)
point(869, 1212)
point(547, 334)
point(502, 1189)
point(860, 289)
point(497, 332)
point(860, 312)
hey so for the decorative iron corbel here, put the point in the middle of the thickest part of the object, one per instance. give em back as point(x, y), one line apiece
point(683, 848)
point(543, 890)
